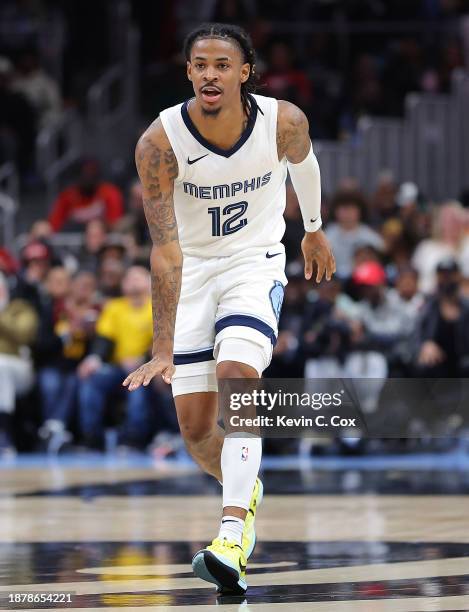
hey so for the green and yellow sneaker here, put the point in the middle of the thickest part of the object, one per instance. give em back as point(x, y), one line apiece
point(249, 533)
point(224, 564)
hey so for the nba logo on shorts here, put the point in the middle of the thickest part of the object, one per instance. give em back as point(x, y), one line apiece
point(244, 453)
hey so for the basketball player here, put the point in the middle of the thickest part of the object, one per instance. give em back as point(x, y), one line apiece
point(213, 171)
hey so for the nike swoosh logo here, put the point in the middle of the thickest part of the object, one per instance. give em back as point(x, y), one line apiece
point(270, 255)
point(192, 161)
point(312, 220)
point(228, 521)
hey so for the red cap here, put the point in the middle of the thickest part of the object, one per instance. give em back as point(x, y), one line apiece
point(35, 250)
point(369, 273)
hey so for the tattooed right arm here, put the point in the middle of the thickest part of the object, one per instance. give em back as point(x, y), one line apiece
point(157, 168)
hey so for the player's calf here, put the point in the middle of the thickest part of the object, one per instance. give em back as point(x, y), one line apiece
point(197, 415)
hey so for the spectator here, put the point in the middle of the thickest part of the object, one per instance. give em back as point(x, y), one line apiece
point(115, 248)
point(368, 94)
point(386, 320)
point(18, 325)
point(443, 330)
point(91, 198)
point(50, 305)
point(17, 122)
point(57, 378)
point(40, 230)
point(94, 240)
point(407, 290)
point(327, 331)
point(57, 285)
point(283, 80)
point(356, 340)
point(111, 273)
point(449, 241)
point(348, 231)
point(124, 338)
point(381, 326)
point(36, 261)
point(333, 331)
point(414, 220)
point(365, 252)
point(51, 301)
point(396, 246)
point(383, 201)
point(41, 91)
point(134, 225)
point(381, 310)
point(37, 258)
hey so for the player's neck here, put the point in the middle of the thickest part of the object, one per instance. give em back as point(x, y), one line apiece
point(223, 130)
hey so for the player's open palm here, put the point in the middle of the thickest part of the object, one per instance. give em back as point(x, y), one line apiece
point(317, 250)
point(145, 373)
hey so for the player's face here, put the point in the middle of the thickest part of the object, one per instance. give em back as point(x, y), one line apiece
point(216, 70)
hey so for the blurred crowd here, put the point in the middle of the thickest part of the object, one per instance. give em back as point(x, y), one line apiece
point(75, 317)
point(75, 321)
point(338, 60)
point(399, 303)
point(322, 56)
point(75, 313)
point(29, 100)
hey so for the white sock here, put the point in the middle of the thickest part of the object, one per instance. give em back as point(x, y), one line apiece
point(240, 463)
point(231, 529)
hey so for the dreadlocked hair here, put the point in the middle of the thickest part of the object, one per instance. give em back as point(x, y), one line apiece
point(241, 38)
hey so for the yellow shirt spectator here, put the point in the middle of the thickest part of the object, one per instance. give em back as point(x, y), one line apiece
point(130, 328)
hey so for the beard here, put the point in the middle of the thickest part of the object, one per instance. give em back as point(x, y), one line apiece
point(211, 112)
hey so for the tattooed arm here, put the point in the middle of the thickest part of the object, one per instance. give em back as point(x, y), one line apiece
point(293, 142)
point(157, 168)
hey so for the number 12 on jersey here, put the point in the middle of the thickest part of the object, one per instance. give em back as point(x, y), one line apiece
point(234, 222)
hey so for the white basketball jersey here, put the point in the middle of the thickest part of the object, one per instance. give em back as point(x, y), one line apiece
point(228, 200)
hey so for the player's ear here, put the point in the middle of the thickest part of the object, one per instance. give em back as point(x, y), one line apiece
point(245, 72)
point(189, 71)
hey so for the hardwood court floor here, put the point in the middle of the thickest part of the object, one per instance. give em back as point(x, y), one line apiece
point(329, 540)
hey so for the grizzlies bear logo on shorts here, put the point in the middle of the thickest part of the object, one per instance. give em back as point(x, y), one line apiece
point(276, 298)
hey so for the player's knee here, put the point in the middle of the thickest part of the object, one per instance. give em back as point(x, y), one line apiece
point(242, 358)
point(235, 369)
point(195, 434)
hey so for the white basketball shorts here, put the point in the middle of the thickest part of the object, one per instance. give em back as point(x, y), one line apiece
point(238, 297)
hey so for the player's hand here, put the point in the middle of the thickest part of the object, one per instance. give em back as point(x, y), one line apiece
point(147, 371)
point(316, 249)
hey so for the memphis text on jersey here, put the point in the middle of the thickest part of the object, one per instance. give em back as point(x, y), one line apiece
point(217, 192)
